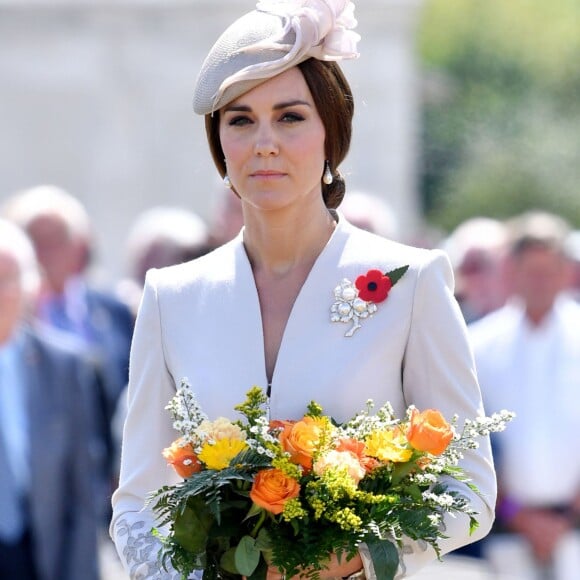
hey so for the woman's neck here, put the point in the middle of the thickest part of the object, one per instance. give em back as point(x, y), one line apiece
point(278, 243)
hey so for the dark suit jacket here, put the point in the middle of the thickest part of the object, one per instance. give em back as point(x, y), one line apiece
point(61, 500)
point(111, 325)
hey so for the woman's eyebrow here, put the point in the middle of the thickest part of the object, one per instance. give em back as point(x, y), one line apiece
point(292, 103)
point(276, 107)
point(241, 108)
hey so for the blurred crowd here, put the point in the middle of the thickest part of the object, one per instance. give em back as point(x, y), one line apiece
point(64, 350)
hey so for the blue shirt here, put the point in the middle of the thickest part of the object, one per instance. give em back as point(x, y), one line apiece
point(14, 424)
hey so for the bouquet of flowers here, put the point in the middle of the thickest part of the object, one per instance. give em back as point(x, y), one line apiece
point(288, 494)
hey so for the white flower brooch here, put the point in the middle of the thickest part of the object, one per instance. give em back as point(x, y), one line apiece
point(354, 302)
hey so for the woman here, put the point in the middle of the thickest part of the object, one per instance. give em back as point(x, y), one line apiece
point(257, 311)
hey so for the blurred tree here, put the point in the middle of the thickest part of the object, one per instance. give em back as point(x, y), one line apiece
point(501, 117)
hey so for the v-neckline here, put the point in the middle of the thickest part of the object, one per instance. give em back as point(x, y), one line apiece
point(255, 300)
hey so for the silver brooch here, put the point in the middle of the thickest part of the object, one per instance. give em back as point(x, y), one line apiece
point(355, 302)
point(348, 307)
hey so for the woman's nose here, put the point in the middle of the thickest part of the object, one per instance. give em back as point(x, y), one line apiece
point(266, 143)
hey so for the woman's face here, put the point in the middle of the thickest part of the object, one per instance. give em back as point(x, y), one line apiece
point(273, 141)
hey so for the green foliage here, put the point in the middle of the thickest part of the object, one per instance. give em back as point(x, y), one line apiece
point(192, 525)
point(501, 132)
point(310, 544)
point(314, 409)
point(252, 407)
point(214, 525)
point(385, 558)
point(247, 556)
point(205, 513)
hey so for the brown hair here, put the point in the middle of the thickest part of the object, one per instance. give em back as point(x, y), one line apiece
point(334, 102)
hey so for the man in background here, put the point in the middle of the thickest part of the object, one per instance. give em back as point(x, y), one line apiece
point(476, 249)
point(48, 526)
point(99, 323)
point(528, 361)
point(60, 229)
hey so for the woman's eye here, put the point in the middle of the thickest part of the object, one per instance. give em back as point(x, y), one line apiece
point(292, 117)
point(239, 121)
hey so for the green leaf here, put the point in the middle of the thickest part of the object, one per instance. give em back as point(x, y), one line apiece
point(247, 556)
point(396, 274)
point(473, 525)
point(191, 527)
point(402, 470)
point(385, 558)
point(260, 572)
point(414, 491)
point(253, 511)
point(263, 541)
point(228, 561)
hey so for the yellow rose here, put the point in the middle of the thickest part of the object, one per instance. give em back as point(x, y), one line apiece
point(182, 458)
point(219, 454)
point(389, 445)
point(272, 488)
point(429, 431)
point(301, 439)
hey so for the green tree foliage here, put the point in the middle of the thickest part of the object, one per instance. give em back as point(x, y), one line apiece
point(501, 119)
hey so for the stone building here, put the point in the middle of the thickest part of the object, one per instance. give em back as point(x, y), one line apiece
point(95, 96)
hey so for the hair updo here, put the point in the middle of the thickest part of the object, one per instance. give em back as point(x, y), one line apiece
point(332, 96)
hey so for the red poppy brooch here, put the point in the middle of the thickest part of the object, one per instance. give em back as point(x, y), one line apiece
point(354, 302)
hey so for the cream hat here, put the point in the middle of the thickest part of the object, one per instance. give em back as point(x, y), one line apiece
point(276, 36)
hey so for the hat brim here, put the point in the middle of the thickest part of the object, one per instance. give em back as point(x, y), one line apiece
point(242, 45)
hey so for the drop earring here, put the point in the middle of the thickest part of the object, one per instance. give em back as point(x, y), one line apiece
point(227, 181)
point(327, 176)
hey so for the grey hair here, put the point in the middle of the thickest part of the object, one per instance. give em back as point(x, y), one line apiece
point(15, 243)
point(27, 205)
point(538, 228)
point(174, 226)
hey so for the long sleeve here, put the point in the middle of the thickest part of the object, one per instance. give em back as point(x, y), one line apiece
point(439, 372)
point(148, 429)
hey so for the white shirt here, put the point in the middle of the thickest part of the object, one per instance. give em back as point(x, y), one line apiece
point(535, 372)
point(13, 411)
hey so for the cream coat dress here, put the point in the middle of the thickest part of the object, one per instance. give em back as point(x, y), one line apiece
point(201, 321)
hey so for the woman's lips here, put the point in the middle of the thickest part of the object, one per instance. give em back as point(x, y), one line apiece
point(267, 174)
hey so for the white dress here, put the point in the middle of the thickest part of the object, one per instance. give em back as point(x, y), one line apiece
point(202, 321)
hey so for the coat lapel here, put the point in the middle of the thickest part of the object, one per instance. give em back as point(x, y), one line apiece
point(41, 458)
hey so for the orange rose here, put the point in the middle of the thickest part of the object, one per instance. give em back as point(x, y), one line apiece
point(281, 424)
point(429, 431)
point(182, 457)
point(301, 439)
point(272, 488)
point(357, 448)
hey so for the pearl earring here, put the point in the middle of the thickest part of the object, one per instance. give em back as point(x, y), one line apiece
point(227, 181)
point(327, 176)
